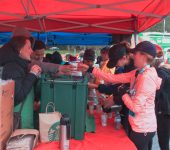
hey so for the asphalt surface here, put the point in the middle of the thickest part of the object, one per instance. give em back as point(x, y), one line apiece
point(155, 145)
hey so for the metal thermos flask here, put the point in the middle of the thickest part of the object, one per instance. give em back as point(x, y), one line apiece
point(65, 132)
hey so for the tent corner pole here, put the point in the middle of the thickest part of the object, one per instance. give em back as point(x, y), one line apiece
point(136, 38)
point(135, 33)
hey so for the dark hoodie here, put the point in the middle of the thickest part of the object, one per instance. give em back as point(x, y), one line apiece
point(16, 68)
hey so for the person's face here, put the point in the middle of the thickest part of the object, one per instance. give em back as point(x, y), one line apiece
point(122, 62)
point(88, 62)
point(139, 59)
point(39, 54)
point(104, 56)
point(26, 51)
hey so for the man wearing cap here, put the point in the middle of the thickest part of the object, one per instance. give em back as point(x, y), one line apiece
point(140, 98)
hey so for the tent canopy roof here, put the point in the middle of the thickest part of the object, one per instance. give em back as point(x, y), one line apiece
point(102, 16)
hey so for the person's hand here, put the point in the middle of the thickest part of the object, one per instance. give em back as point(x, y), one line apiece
point(123, 89)
point(66, 69)
point(36, 70)
point(108, 102)
point(92, 85)
point(82, 67)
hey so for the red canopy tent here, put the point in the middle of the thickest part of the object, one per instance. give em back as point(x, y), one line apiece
point(104, 16)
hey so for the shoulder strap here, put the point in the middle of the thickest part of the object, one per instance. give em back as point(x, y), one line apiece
point(1, 71)
point(136, 75)
point(22, 104)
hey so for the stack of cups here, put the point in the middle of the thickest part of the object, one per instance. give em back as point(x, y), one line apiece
point(75, 73)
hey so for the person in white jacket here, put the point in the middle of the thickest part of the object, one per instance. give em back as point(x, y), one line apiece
point(140, 98)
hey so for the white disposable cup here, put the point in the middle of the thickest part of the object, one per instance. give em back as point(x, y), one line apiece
point(74, 64)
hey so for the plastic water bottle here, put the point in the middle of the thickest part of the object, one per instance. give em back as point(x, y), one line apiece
point(65, 132)
point(99, 108)
point(91, 107)
point(104, 119)
point(117, 121)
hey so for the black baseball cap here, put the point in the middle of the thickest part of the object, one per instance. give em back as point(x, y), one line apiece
point(146, 47)
point(116, 52)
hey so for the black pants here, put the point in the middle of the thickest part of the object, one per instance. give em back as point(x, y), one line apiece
point(141, 140)
point(163, 123)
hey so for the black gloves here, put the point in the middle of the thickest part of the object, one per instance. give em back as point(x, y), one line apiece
point(106, 110)
point(108, 89)
point(90, 70)
point(123, 89)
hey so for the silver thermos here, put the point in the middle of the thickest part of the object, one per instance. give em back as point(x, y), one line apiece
point(65, 132)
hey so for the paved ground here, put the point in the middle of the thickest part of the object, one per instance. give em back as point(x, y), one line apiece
point(155, 145)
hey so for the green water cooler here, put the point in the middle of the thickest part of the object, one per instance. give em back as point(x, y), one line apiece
point(70, 97)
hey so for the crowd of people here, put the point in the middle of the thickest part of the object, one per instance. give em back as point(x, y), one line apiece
point(138, 79)
point(146, 99)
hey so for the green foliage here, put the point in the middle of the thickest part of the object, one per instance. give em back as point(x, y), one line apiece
point(160, 26)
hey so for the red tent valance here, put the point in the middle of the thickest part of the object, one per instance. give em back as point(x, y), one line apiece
point(105, 16)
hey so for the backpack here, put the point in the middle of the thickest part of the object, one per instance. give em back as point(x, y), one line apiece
point(162, 100)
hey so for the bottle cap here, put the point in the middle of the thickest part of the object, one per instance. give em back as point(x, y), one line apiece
point(65, 120)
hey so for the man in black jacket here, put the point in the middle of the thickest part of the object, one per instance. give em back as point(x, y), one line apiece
point(162, 101)
point(162, 104)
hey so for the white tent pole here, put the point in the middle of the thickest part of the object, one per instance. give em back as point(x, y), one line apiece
point(25, 7)
point(68, 21)
point(135, 12)
point(68, 28)
point(12, 14)
point(13, 26)
point(147, 18)
point(135, 38)
point(115, 21)
point(164, 28)
point(112, 28)
point(135, 33)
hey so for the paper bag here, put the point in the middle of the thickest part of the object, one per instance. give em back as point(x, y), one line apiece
point(23, 139)
point(49, 124)
point(6, 111)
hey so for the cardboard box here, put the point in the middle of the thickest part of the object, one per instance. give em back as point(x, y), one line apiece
point(6, 111)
